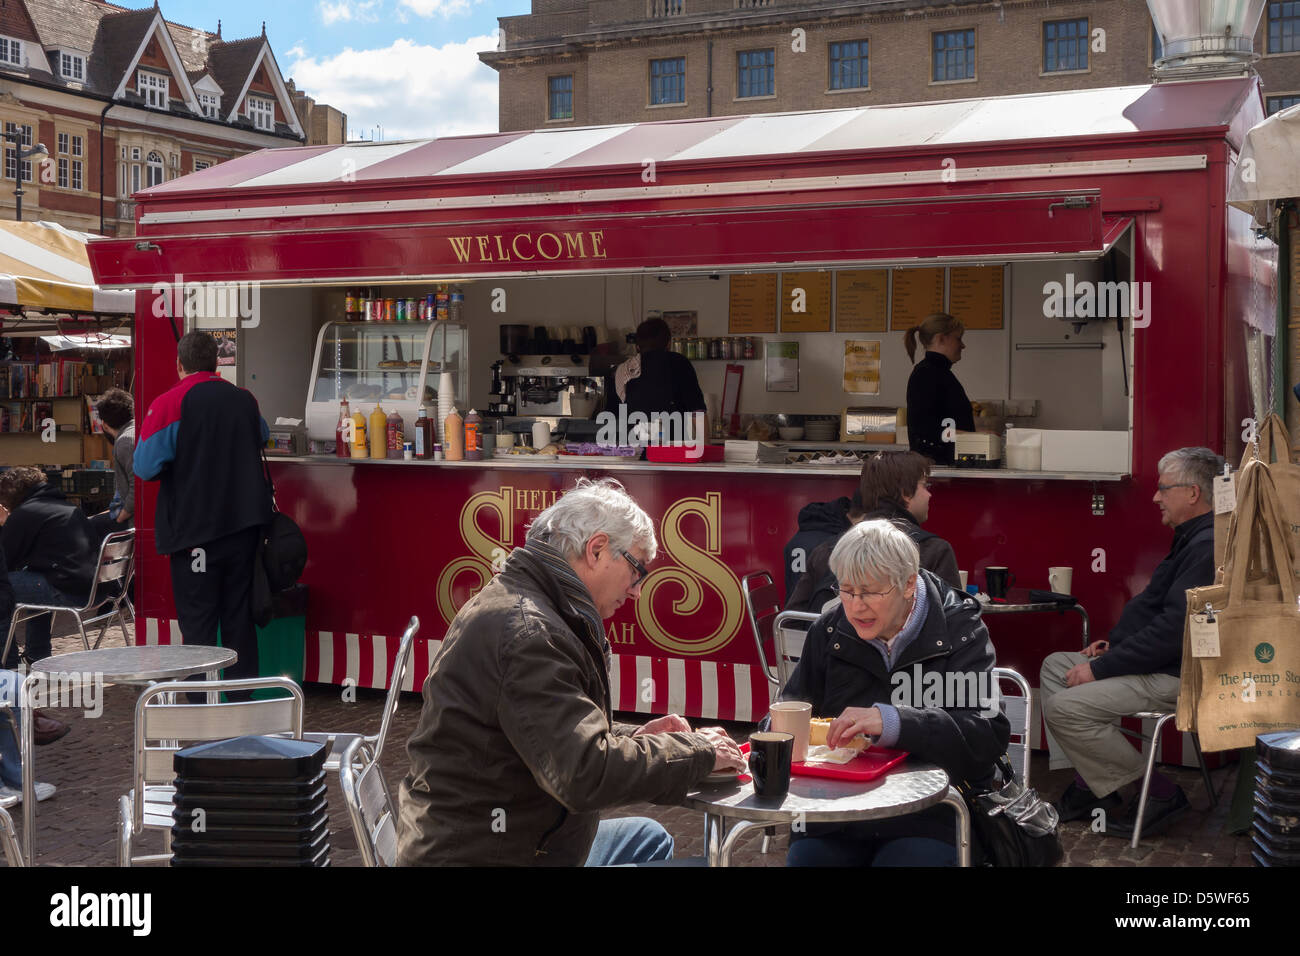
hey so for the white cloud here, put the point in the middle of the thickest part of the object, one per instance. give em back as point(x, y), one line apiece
point(412, 90)
point(347, 10)
point(445, 8)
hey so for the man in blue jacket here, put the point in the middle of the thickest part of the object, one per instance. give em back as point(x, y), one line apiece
point(201, 440)
point(1084, 694)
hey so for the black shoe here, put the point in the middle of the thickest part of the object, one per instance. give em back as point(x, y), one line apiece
point(1159, 814)
point(1078, 802)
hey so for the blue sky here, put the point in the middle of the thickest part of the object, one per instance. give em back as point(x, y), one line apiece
point(408, 67)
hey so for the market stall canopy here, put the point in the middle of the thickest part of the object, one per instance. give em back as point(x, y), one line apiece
point(861, 185)
point(44, 267)
point(1268, 168)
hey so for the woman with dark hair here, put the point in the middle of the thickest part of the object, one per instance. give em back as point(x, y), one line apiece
point(933, 392)
point(657, 382)
point(49, 548)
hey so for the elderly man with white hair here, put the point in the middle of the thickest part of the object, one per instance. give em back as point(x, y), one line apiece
point(516, 752)
point(1083, 694)
point(906, 660)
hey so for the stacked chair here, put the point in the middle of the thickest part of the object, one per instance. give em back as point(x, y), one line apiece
point(1277, 799)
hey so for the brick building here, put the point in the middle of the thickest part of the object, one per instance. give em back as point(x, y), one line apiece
point(595, 62)
point(124, 99)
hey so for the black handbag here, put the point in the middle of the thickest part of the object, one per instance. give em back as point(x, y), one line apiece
point(283, 549)
point(1012, 825)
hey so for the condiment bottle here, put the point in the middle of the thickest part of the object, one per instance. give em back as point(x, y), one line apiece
point(423, 435)
point(343, 431)
point(473, 450)
point(395, 432)
point(359, 447)
point(454, 429)
point(378, 433)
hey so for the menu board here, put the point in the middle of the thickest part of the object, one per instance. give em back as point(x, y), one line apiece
point(753, 304)
point(917, 293)
point(805, 302)
point(975, 296)
point(861, 300)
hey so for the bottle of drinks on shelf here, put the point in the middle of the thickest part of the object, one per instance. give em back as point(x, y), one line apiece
point(343, 432)
point(395, 429)
point(423, 435)
point(473, 452)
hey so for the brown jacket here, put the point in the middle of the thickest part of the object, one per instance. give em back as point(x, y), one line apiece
point(515, 753)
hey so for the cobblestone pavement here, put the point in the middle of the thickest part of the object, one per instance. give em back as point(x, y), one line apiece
point(91, 766)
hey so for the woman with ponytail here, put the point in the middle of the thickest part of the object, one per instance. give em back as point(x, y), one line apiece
point(933, 392)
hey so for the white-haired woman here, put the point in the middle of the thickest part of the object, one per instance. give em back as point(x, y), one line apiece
point(865, 665)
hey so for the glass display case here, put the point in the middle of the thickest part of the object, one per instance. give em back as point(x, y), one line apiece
point(393, 364)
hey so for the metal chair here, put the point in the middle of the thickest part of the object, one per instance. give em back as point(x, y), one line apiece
point(163, 726)
point(8, 839)
point(763, 604)
point(369, 806)
point(115, 566)
point(789, 632)
point(1018, 710)
point(1161, 718)
point(373, 745)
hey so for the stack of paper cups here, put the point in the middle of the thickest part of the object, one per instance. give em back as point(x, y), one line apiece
point(446, 402)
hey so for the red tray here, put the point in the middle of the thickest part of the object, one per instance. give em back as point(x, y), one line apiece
point(870, 765)
point(681, 454)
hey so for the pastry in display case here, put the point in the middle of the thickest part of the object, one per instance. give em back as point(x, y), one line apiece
point(398, 365)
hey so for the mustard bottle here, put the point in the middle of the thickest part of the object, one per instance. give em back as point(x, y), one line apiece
point(455, 431)
point(359, 447)
point(379, 433)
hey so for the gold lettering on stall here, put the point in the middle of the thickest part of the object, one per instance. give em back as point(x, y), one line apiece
point(621, 633)
point(548, 245)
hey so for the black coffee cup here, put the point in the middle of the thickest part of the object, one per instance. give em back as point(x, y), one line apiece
point(997, 580)
point(769, 763)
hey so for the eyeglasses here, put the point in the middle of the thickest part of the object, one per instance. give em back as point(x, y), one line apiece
point(1184, 484)
point(641, 570)
point(868, 597)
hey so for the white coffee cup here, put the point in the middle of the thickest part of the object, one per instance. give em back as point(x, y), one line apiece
point(1059, 579)
point(541, 435)
point(964, 576)
point(793, 717)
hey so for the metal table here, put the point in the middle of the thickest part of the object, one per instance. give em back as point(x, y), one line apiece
point(1042, 607)
point(138, 664)
point(909, 789)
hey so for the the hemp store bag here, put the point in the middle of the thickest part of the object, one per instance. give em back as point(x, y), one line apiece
point(1252, 687)
point(1274, 443)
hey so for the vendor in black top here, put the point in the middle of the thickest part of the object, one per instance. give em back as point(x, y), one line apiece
point(933, 392)
point(657, 381)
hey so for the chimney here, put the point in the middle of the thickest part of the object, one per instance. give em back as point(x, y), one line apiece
point(1205, 38)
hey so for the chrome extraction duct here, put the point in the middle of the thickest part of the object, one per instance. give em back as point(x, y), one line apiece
point(1202, 38)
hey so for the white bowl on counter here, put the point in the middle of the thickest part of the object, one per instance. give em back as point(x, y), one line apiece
point(791, 434)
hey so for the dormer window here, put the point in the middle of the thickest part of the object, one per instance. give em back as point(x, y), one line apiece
point(210, 103)
point(262, 113)
point(72, 66)
point(11, 51)
point(154, 89)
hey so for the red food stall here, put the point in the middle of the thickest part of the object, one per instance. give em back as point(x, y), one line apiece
point(1127, 182)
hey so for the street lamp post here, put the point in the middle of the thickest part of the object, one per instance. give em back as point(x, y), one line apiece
point(16, 139)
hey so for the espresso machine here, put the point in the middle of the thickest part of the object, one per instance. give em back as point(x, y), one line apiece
point(545, 385)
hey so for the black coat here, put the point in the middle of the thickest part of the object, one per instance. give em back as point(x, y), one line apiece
point(49, 534)
point(819, 521)
point(667, 383)
point(933, 394)
point(838, 670)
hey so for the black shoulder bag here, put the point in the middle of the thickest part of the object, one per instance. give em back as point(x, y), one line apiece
point(281, 555)
point(1013, 825)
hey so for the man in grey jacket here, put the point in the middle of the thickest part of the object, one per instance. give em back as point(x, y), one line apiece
point(116, 411)
point(516, 752)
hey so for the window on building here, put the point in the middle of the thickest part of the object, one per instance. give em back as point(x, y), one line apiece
point(76, 146)
point(135, 152)
point(756, 73)
point(953, 55)
point(11, 154)
point(849, 65)
point(1065, 45)
point(135, 177)
point(667, 8)
point(77, 174)
point(261, 112)
point(1283, 27)
point(63, 142)
point(154, 164)
point(559, 97)
point(72, 66)
point(201, 164)
point(154, 88)
point(11, 51)
point(210, 103)
point(668, 81)
point(1275, 103)
point(63, 173)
